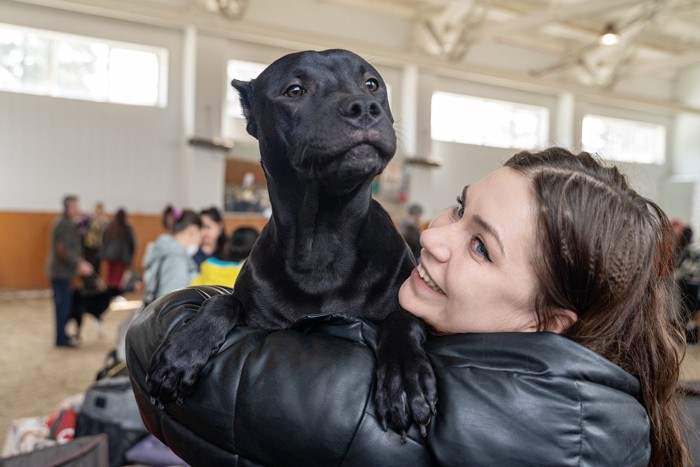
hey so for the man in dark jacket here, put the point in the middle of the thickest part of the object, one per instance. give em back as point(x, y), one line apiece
point(64, 263)
point(304, 397)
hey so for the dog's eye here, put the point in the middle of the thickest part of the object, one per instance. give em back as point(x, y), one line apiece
point(294, 91)
point(372, 85)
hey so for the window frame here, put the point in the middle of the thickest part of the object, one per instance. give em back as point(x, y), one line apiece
point(613, 155)
point(51, 86)
point(541, 132)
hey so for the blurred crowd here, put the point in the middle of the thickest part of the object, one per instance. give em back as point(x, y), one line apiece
point(91, 258)
point(687, 272)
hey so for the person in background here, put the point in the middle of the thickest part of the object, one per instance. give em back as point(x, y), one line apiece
point(118, 247)
point(213, 234)
point(688, 280)
point(168, 263)
point(223, 267)
point(166, 221)
point(166, 218)
point(685, 240)
point(64, 263)
point(411, 228)
point(92, 241)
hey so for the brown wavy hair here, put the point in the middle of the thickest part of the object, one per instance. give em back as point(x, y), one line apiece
point(606, 253)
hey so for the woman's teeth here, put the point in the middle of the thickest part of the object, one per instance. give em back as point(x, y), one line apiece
point(428, 280)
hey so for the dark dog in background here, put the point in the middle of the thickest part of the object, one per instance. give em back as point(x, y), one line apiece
point(93, 298)
point(325, 131)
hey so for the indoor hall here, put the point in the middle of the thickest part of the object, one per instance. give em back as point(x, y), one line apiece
point(128, 104)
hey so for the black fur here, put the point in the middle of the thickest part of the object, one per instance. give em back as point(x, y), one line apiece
point(93, 298)
point(325, 131)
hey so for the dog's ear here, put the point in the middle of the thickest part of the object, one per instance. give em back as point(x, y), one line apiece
point(245, 91)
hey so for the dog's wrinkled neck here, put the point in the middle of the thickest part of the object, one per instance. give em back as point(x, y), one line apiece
point(324, 231)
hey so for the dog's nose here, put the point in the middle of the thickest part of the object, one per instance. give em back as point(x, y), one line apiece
point(361, 111)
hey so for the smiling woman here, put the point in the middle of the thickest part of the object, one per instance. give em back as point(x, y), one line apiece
point(476, 272)
point(557, 242)
point(550, 291)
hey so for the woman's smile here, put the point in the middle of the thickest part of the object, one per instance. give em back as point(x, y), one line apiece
point(427, 280)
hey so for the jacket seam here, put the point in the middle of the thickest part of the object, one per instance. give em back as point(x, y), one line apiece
point(363, 418)
point(252, 345)
point(580, 404)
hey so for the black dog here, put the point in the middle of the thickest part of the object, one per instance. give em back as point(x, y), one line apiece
point(324, 127)
point(93, 298)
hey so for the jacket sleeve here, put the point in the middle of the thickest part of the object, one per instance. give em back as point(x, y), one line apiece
point(131, 239)
point(303, 396)
point(292, 397)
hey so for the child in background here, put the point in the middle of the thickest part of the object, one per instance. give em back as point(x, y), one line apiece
point(223, 267)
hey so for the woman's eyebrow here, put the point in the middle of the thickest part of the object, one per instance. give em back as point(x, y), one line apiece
point(484, 225)
point(489, 229)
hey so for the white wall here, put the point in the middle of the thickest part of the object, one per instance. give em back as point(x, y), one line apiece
point(128, 156)
point(436, 188)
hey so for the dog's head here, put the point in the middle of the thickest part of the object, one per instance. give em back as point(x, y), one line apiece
point(325, 114)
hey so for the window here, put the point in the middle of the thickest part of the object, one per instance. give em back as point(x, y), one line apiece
point(624, 140)
point(61, 65)
point(486, 122)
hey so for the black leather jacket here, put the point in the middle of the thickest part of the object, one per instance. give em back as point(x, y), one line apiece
point(303, 397)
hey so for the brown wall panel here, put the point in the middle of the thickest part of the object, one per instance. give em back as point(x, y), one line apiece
point(24, 243)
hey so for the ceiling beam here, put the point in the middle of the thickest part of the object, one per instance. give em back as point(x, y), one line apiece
point(549, 15)
point(669, 64)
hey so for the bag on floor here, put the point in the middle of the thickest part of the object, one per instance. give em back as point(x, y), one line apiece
point(110, 408)
point(89, 451)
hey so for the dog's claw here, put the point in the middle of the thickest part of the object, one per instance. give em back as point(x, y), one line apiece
point(423, 430)
point(404, 436)
point(406, 391)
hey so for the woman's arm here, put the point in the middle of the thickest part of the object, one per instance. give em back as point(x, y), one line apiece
point(303, 396)
point(292, 397)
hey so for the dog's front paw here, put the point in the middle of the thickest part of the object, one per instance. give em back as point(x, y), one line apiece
point(406, 390)
point(175, 367)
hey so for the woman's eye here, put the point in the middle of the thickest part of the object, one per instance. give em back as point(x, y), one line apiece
point(480, 248)
point(372, 85)
point(459, 209)
point(294, 91)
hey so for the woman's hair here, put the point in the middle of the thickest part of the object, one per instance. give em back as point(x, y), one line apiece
point(242, 241)
point(166, 218)
point(118, 228)
point(605, 252)
point(216, 216)
point(185, 218)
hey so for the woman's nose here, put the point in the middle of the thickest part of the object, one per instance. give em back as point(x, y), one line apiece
point(435, 241)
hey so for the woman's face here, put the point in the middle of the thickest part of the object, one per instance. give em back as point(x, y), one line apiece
point(475, 272)
point(210, 231)
point(193, 238)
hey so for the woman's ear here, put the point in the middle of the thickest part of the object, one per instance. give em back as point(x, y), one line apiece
point(561, 320)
